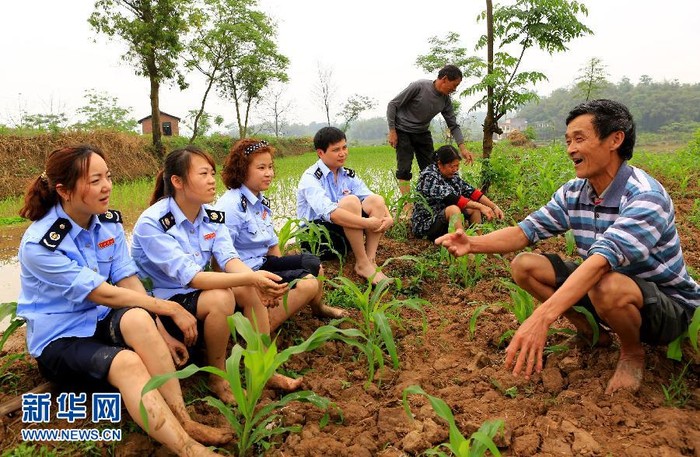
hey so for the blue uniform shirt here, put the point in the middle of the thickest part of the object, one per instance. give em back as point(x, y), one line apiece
point(171, 250)
point(249, 222)
point(60, 265)
point(318, 192)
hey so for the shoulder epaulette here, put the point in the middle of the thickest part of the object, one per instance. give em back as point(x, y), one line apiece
point(318, 173)
point(56, 233)
point(167, 221)
point(112, 215)
point(350, 172)
point(244, 203)
point(265, 202)
point(215, 216)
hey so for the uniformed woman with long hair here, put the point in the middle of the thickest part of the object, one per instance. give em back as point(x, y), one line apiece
point(174, 243)
point(88, 316)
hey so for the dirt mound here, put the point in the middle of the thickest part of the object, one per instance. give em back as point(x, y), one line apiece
point(22, 158)
point(518, 138)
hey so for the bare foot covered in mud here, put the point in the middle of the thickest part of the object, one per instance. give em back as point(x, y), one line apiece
point(210, 436)
point(278, 381)
point(330, 311)
point(628, 373)
point(194, 449)
point(222, 390)
point(372, 272)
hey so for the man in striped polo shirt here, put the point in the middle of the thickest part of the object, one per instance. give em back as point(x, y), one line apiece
point(633, 277)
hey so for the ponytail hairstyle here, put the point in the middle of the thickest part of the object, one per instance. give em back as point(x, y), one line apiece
point(446, 154)
point(177, 163)
point(64, 166)
point(235, 169)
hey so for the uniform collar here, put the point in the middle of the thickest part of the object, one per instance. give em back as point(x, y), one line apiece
point(179, 215)
point(614, 191)
point(248, 194)
point(324, 168)
point(76, 229)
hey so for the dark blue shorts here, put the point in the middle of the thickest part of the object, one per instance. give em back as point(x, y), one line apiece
point(291, 267)
point(663, 319)
point(188, 301)
point(84, 359)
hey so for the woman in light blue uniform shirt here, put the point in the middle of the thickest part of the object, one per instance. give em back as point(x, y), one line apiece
point(174, 242)
point(88, 315)
point(247, 172)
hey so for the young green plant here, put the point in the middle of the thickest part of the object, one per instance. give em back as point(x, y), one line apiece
point(474, 446)
point(377, 337)
point(248, 370)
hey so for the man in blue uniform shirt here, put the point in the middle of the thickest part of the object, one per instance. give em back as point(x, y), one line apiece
point(335, 197)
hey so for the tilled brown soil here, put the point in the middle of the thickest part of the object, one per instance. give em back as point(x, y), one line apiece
point(562, 412)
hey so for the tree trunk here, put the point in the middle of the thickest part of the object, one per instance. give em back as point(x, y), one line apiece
point(195, 127)
point(155, 119)
point(489, 121)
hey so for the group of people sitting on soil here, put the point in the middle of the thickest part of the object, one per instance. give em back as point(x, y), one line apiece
point(89, 316)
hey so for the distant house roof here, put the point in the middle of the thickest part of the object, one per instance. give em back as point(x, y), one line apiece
point(162, 112)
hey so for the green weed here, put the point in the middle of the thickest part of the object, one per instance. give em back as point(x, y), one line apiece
point(474, 446)
point(677, 393)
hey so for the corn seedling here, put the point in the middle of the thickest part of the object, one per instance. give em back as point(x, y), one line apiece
point(316, 239)
point(570, 243)
point(677, 393)
point(476, 445)
point(9, 310)
point(377, 338)
point(248, 370)
point(467, 270)
point(674, 350)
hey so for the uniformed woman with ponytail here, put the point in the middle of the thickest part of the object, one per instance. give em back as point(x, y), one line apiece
point(174, 243)
point(89, 319)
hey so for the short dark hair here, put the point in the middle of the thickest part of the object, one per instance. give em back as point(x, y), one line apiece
point(451, 71)
point(328, 136)
point(446, 154)
point(609, 116)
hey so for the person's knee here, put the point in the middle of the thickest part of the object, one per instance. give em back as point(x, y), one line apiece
point(350, 203)
point(609, 294)
point(524, 265)
point(137, 322)
point(126, 362)
point(372, 203)
point(222, 301)
point(308, 285)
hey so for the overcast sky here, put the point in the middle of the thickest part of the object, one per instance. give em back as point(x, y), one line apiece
point(50, 55)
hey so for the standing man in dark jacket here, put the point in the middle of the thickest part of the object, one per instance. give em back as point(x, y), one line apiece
point(409, 115)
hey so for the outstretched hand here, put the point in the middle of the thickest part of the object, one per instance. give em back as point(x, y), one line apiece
point(456, 243)
point(528, 344)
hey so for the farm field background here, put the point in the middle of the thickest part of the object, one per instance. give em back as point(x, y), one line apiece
point(563, 411)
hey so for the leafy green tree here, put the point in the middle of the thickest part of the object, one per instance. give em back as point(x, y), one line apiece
point(354, 106)
point(236, 51)
point(152, 30)
point(52, 122)
point(593, 78)
point(102, 111)
point(199, 122)
point(545, 24)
